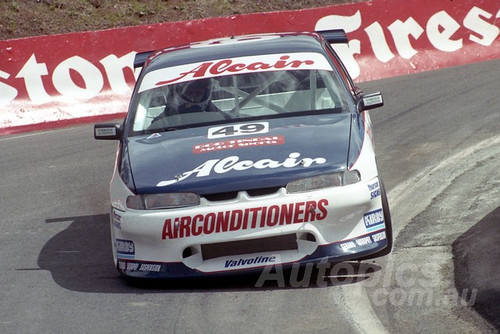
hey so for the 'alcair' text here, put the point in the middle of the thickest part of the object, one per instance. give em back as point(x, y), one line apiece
point(227, 66)
point(233, 220)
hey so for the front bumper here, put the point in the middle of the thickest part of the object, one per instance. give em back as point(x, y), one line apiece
point(247, 233)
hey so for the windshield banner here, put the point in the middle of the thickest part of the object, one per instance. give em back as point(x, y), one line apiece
point(239, 65)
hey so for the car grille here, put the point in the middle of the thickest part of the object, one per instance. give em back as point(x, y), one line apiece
point(231, 248)
point(233, 194)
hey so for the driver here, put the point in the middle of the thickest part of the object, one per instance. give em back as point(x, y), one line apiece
point(188, 97)
point(194, 96)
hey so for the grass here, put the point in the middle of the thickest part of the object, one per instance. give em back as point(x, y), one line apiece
point(23, 18)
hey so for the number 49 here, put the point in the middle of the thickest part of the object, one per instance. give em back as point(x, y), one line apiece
point(238, 130)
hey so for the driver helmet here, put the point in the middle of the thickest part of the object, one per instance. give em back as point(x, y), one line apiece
point(195, 94)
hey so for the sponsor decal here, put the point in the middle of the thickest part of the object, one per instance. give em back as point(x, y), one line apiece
point(154, 136)
point(249, 261)
point(122, 265)
point(375, 194)
point(379, 236)
point(135, 266)
point(237, 130)
point(251, 218)
point(374, 190)
point(125, 248)
point(374, 220)
point(221, 67)
point(238, 143)
point(365, 240)
point(116, 220)
point(131, 266)
point(347, 245)
point(150, 267)
point(231, 163)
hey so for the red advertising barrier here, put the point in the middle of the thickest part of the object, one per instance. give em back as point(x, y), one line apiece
point(60, 79)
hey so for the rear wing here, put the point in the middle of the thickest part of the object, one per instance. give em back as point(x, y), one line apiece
point(140, 58)
point(337, 36)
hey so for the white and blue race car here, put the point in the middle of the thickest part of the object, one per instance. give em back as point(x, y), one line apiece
point(245, 152)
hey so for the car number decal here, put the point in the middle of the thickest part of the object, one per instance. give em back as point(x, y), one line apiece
point(238, 130)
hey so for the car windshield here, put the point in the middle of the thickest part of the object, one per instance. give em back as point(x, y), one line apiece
point(263, 91)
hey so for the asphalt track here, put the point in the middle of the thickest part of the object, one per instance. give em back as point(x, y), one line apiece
point(438, 146)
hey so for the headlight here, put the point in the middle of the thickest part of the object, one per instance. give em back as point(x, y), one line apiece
point(324, 181)
point(162, 201)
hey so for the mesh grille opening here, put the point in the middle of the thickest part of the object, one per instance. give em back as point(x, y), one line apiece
point(221, 196)
point(233, 194)
point(263, 191)
point(269, 244)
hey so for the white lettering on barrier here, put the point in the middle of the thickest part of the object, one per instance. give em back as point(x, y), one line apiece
point(92, 77)
point(32, 73)
point(345, 52)
point(475, 23)
point(114, 67)
point(376, 37)
point(7, 93)
point(439, 29)
point(401, 32)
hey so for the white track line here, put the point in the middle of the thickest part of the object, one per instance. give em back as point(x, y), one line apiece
point(359, 307)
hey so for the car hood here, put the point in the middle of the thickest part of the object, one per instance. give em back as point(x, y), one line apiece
point(289, 149)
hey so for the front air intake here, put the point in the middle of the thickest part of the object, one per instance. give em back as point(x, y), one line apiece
point(261, 245)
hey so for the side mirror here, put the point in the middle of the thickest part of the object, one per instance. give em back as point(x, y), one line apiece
point(107, 131)
point(371, 101)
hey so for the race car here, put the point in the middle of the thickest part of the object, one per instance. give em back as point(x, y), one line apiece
point(245, 152)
